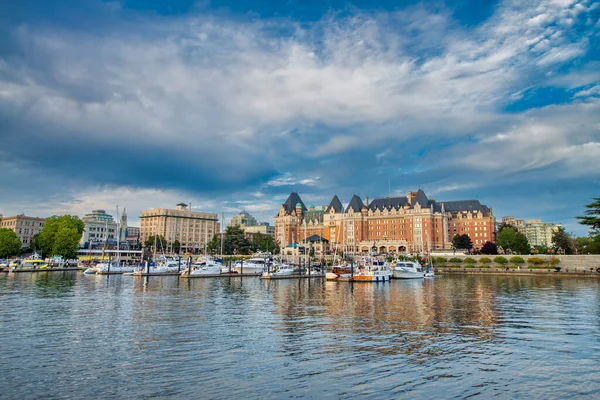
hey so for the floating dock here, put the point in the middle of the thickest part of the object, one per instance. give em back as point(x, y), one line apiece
point(303, 276)
point(225, 275)
point(167, 273)
point(19, 270)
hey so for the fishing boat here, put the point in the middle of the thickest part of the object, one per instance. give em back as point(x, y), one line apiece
point(408, 270)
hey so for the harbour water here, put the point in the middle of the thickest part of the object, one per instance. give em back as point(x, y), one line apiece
point(66, 335)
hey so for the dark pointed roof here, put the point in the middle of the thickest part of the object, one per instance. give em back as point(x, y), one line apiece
point(355, 203)
point(290, 203)
point(465, 205)
point(315, 239)
point(420, 198)
point(335, 204)
point(388, 203)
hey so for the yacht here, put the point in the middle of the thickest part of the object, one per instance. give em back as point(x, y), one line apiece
point(112, 267)
point(205, 267)
point(280, 270)
point(255, 265)
point(408, 270)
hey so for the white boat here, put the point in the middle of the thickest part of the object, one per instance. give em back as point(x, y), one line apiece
point(205, 267)
point(408, 270)
point(91, 270)
point(255, 265)
point(280, 270)
point(113, 268)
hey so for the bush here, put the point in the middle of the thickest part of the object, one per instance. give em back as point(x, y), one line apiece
point(441, 260)
point(553, 261)
point(485, 260)
point(455, 260)
point(500, 260)
point(517, 260)
point(470, 260)
point(535, 261)
point(484, 266)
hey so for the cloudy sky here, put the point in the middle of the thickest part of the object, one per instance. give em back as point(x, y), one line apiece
point(232, 104)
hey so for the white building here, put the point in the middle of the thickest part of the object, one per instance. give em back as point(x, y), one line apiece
point(539, 233)
point(99, 227)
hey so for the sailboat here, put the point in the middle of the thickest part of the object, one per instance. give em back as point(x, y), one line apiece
point(341, 270)
point(429, 272)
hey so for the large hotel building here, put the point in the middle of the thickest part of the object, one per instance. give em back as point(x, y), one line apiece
point(408, 224)
point(192, 229)
point(25, 227)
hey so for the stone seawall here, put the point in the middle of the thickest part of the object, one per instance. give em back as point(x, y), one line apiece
point(575, 264)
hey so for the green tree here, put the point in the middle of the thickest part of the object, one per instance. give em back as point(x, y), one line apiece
point(506, 238)
point(161, 242)
point(9, 243)
point(592, 217)
point(235, 242)
point(65, 242)
point(176, 246)
point(462, 241)
point(214, 245)
point(562, 240)
point(489, 248)
point(60, 236)
point(521, 244)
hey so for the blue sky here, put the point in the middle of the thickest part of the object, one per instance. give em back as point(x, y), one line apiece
point(232, 104)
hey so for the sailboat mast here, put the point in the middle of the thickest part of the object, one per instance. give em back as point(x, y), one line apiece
point(118, 238)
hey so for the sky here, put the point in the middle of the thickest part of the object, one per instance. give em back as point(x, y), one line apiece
point(230, 105)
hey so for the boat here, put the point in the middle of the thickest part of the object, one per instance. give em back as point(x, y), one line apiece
point(408, 270)
point(209, 266)
point(113, 267)
point(30, 264)
point(280, 270)
point(339, 272)
point(373, 271)
point(255, 265)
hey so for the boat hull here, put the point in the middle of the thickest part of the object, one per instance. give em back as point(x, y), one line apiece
point(373, 278)
point(408, 275)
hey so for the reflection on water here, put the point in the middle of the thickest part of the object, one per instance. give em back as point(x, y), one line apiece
point(129, 337)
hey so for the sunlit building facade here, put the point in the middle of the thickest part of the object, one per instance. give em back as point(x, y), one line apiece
point(406, 224)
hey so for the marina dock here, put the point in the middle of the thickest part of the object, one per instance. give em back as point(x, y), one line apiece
point(226, 275)
point(144, 273)
point(19, 270)
point(304, 276)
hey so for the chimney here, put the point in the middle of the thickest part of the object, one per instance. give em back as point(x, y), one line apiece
point(366, 201)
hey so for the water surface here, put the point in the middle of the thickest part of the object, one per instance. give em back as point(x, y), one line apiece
point(66, 335)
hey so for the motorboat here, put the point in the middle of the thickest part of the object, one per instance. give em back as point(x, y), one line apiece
point(113, 267)
point(408, 270)
point(206, 267)
point(30, 264)
point(376, 271)
point(254, 265)
point(339, 272)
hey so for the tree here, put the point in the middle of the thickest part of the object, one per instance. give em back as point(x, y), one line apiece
point(506, 238)
point(9, 243)
point(489, 248)
point(462, 241)
point(521, 244)
point(562, 240)
point(65, 242)
point(60, 236)
point(161, 242)
point(176, 246)
point(592, 217)
point(235, 241)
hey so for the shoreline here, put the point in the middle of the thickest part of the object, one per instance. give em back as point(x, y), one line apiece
point(516, 272)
